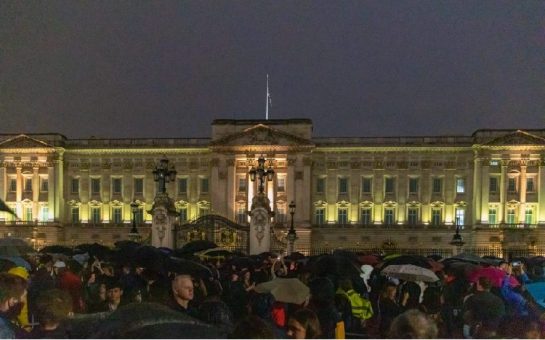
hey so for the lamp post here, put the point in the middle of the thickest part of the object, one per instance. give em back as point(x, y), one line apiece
point(163, 173)
point(261, 173)
point(133, 234)
point(457, 239)
point(292, 234)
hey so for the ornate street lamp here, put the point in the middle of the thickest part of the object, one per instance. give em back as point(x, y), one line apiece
point(457, 239)
point(261, 173)
point(163, 173)
point(292, 234)
point(133, 234)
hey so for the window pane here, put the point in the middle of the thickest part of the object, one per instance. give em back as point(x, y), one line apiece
point(75, 215)
point(343, 185)
point(530, 184)
point(389, 216)
point(204, 185)
point(492, 216)
point(182, 186)
point(389, 186)
point(437, 183)
point(138, 186)
point(44, 213)
point(116, 186)
point(116, 212)
point(44, 185)
point(343, 216)
point(460, 185)
point(12, 185)
point(74, 187)
point(366, 216)
point(320, 185)
point(460, 217)
point(95, 215)
point(528, 218)
point(183, 214)
point(436, 217)
point(413, 185)
point(319, 216)
point(242, 184)
point(413, 216)
point(511, 216)
point(493, 184)
point(366, 185)
point(281, 184)
point(512, 185)
point(95, 186)
point(28, 184)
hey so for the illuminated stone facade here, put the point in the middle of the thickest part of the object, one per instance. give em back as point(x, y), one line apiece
point(405, 192)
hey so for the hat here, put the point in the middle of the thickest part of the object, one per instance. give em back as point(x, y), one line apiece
point(19, 271)
point(59, 264)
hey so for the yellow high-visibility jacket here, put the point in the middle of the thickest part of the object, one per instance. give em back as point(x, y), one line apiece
point(361, 307)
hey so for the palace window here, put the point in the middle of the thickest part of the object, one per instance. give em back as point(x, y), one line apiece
point(28, 184)
point(365, 216)
point(242, 185)
point(412, 216)
point(366, 185)
point(319, 216)
point(44, 213)
point(44, 184)
point(204, 185)
point(530, 184)
point(242, 217)
point(95, 215)
point(281, 184)
point(493, 187)
point(139, 216)
point(460, 185)
point(511, 216)
point(512, 185)
point(182, 186)
point(75, 215)
point(183, 215)
point(342, 216)
point(460, 216)
point(95, 186)
point(320, 185)
point(343, 185)
point(492, 219)
point(389, 216)
point(116, 215)
point(12, 185)
point(389, 185)
point(281, 214)
point(528, 216)
point(27, 213)
point(437, 185)
point(413, 185)
point(138, 186)
point(116, 186)
point(74, 186)
point(436, 218)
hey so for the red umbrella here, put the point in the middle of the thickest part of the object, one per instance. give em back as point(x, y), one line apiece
point(368, 259)
point(495, 275)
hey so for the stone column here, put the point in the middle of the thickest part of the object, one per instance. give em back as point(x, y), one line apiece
point(485, 192)
point(35, 192)
point(231, 188)
point(260, 224)
point(541, 192)
point(503, 191)
point(19, 193)
point(290, 180)
point(522, 198)
point(164, 218)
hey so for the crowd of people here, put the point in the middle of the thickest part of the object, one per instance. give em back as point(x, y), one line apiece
point(220, 296)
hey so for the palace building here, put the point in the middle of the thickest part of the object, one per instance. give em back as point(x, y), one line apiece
point(358, 193)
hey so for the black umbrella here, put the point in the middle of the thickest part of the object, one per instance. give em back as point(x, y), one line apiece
point(183, 266)
point(468, 257)
point(95, 250)
point(198, 245)
point(242, 262)
point(153, 321)
point(13, 247)
point(150, 258)
point(57, 249)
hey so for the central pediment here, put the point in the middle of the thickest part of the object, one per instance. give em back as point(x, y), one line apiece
point(23, 142)
point(518, 137)
point(261, 136)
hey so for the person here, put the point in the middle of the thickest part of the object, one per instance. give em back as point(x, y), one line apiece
point(22, 319)
point(361, 307)
point(11, 292)
point(114, 294)
point(41, 280)
point(262, 305)
point(412, 324)
point(52, 308)
point(182, 294)
point(252, 327)
point(71, 283)
point(304, 324)
point(482, 310)
point(388, 307)
point(322, 302)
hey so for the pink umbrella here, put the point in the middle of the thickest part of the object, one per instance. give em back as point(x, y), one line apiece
point(495, 275)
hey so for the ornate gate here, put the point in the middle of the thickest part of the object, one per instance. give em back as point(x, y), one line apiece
point(218, 229)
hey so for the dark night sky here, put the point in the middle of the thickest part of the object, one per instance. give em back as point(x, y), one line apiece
point(356, 68)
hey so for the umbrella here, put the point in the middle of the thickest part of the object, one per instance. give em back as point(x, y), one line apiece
point(57, 249)
point(152, 321)
point(198, 245)
point(410, 272)
point(295, 257)
point(537, 291)
point(371, 260)
point(415, 260)
point(468, 257)
point(460, 269)
point(150, 257)
point(184, 266)
point(18, 261)
point(494, 274)
point(214, 253)
point(94, 250)
point(290, 290)
point(10, 246)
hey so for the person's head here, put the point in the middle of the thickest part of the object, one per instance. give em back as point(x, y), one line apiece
point(413, 324)
point(519, 327)
point(12, 288)
point(53, 306)
point(483, 284)
point(46, 261)
point(345, 284)
point(59, 267)
point(389, 291)
point(304, 324)
point(182, 288)
point(262, 305)
point(114, 291)
point(503, 265)
point(252, 327)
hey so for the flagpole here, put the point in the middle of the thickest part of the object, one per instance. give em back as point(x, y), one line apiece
point(267, 100)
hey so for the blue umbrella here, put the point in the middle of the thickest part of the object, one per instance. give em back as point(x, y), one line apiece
point(18, 261)
point(537, 291)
